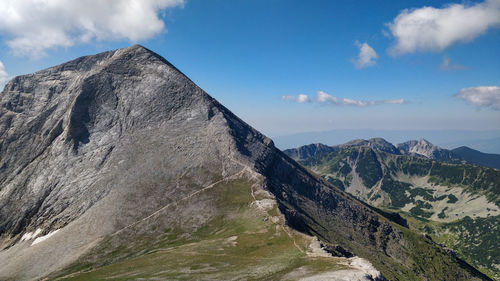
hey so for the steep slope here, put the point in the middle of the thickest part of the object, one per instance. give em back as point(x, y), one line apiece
point(117, 166)
point(477, 157)
point(457, 204)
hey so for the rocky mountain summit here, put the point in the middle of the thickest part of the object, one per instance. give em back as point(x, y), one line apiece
point(427, 149)
point(117, 165)
point(374, 143)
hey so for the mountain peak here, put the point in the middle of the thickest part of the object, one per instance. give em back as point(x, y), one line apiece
point(141, 53)
point(375, 143)
point(424, 141)
point(426, 149)
point(138, 47)
point(309, 150)
point(106, 140)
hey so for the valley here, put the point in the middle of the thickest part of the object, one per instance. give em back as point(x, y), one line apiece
point(454, 203)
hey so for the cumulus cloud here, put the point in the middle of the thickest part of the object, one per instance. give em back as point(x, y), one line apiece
point(447, 65)
point(433, 29)
point(33, 26)
point(325, 98)
point(300, 98)
point(366, 57)
point(482, 96)
point(4, 77)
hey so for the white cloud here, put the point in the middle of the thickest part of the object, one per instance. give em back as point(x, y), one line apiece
point(33, 26)
point(433, 29)
point(482, 96)
point(366, 57)
point(396, 101)
point(4, 77)
point(447, 65)
point(325, 98)
point(301, 98)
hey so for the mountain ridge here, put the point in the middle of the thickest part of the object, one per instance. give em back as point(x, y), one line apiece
point(420, 148)
point(452, 202)
point(478, 157)
point(425, 148)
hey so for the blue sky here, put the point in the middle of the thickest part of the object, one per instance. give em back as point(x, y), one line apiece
point(380, 67)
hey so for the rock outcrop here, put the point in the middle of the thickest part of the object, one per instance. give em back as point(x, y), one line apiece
point(425, 148)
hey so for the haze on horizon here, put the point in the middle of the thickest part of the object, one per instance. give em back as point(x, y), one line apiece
point(290, 67)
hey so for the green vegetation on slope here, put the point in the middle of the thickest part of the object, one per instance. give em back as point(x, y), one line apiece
point(368, 168)
point(418, 210)
point(452, 199)
point(239, 242)
point(471, 179)
point(427, 194)
point(477, 239)
point(397, 191)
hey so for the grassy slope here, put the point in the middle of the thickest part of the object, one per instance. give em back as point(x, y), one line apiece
point(463, 237)
point(239, 242)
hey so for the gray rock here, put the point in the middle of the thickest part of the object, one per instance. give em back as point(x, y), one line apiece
point(426, 149)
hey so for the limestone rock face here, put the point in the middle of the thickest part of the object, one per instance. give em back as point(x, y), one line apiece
point(95, 146)
point(426, 149)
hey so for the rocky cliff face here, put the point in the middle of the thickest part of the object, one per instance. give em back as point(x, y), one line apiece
point(425, 148)
point(111, 149)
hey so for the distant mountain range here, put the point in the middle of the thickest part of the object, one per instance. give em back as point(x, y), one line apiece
point(421, 148)
point(450, 195)
point(487, 141)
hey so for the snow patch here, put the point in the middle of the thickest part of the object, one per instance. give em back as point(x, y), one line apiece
point(31, 235)
point(45, 237)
